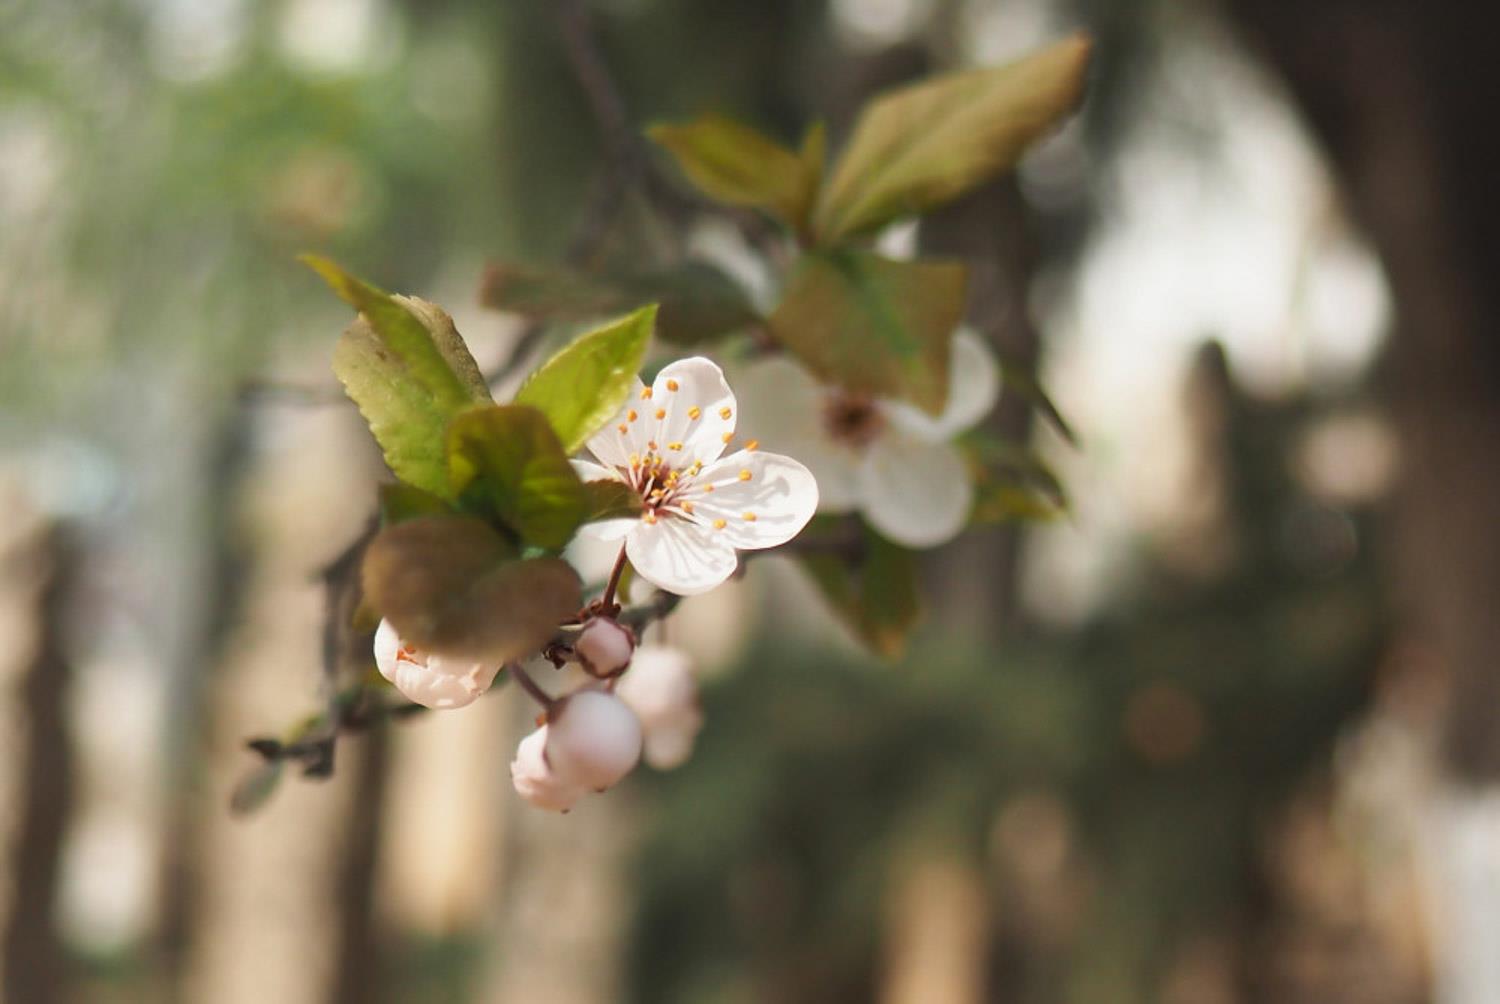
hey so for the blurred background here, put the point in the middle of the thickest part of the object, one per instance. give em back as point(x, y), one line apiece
point(1224, 735)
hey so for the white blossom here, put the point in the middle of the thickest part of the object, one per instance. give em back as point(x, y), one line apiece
point(661, 690)
point(534, 778)
point(430, 680)
point(668, 443)
point(885, 458)
point(593, 740)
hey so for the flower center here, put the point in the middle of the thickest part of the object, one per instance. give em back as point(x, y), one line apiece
point(852, 419)
point(659, 483)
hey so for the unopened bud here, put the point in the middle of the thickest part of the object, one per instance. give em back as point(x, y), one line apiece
point(432, 681)
point(534, 778)
point(661, 689)
point(604, 647)
point(593, 740)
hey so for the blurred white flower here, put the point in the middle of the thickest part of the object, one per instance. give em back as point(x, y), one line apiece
point(593, 740)
point(534, 778)
point(667, 444)
point(604, 646)
point(886, 458)
point(662, 692)
point(430, 680)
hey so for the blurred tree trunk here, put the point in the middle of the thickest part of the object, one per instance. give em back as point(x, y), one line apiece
point(35, 569)
point(1402, 96)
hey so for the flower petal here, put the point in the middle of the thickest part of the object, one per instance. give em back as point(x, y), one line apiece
point(783, 407)
point(973, 387)
point(692, 411)
point(589, 471)
point(609, 529)
point(442, 685)
point(758, 500)
point(623, 435)
point(679, 556)
point(916, 493)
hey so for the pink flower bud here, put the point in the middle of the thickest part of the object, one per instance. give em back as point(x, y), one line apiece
point(533, 777)
point(593, 740)
point(661, 690)
point(604, 647)
point(429, 680)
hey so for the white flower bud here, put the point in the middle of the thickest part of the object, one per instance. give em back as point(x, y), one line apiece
point(533, 777)
point(593, 740)
point(661, 690)
point(431, 681)
point(604, 647)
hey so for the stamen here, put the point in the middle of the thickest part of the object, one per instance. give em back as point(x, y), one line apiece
point(649, 519)
point(694, 412)
point(708, 488)
point(727, 436)
point(635, 460)
point(631, 415)
point(651, 444)
point(753, 444)
point(724, 413)
point(749, 517)
point(661, 413)
point(671, 385)
point(624, 428)
point(674, 446)
point(645, 393)
point(745, 475)
point(719, 524)
point(687, 507)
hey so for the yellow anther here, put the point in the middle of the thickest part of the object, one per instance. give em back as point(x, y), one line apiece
point(661, 413)
point(724, 413)
point(624, 428)
point(635, 460)
point(727, 436)
point(745, 475)
point(687, 507)
point(649, 518)
point(671, 385)
point(708, 488)
point(674, 446)
point(719, 524)
point(753, 444)
point(645, 393)
point(697, 466)
point(694, 412)
point(651, 445)
point(749, 517)
point(631, 415)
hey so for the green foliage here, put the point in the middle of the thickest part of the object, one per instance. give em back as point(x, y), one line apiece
point(874, 325)
point(406, 367)
point(400, 502)
point(451, 585)
point(927, 144)
point(610, 500)
point(505, 462)
point(1011, 482)
point(697, 301)
point(737, 165)
point(872, 586)
point(584, 385)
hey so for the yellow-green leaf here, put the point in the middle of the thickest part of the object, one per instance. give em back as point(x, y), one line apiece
point(584, 385)
point(505, 461)
point(451, 586)
point(921, 146)
point(610, 500)
point(874, 325)
point(734, 164)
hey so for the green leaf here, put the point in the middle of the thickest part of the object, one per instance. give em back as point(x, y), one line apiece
point(872, 587)
point(584, 385)
point(999, 502)
point(505, 461)
point(401, 502)
point(697, 301)
point(873, 325)
point(736, 165)
point(1022, 379)
point(921, 146)
point(406, 367)
point(1000, 461)
point(451, 585)
point(610, 500)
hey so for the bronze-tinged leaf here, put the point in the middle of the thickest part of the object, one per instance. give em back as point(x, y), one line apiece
point(736, 165)
point(697, 302)
point(451, 585)
point(400, 502)
point(873, 325)
point(505, 461)
point(873, 589)
point(921, 146)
